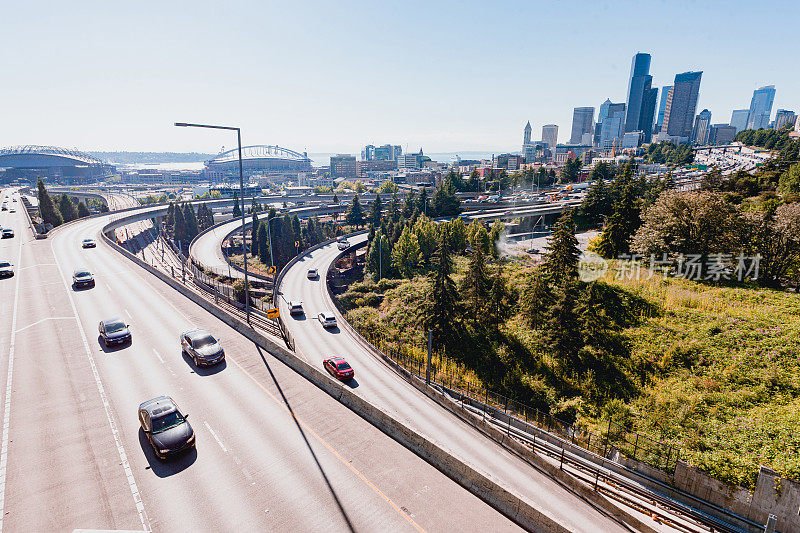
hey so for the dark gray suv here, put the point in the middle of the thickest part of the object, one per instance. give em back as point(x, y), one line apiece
point(202, 347)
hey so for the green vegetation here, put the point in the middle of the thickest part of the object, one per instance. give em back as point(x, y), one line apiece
point(769, 139)
point(63, 209)
point(668, 153)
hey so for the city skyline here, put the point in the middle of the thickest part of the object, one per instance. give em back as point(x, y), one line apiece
point(137, 76)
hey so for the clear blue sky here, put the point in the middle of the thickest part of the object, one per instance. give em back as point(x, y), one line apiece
point(333, 76)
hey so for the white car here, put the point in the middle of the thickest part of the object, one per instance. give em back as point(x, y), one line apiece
point(343, 245)
point(295, 307)
point(327, 319)
point(88, 243)
point(312, 273)
point(8, 233)
point(6, 269)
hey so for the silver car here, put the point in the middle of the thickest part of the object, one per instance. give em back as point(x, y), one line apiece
point(327, 319)
point(202, 347)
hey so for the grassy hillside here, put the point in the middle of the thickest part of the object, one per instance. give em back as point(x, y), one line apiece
point(715, 370)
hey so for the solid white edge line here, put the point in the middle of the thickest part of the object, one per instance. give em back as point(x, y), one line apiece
point(7, 402)
point(107, 406)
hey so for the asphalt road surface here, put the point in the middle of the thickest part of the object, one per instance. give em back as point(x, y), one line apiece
point(273, 451)
point(380, 385)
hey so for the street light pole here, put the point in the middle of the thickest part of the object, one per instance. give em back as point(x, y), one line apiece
point(241, 190)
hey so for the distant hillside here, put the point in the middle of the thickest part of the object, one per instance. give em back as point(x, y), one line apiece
point(132, 158)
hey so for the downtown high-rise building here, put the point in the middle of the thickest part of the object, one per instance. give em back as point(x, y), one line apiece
point(612, 128)
point(582, 125)
point(550, 135)
point(641, 103)
point(702, 124)
point(761, 107)
point(739, 119)
point(784, 117)
point(662, 107)
point(681, 106)
point(526, 136)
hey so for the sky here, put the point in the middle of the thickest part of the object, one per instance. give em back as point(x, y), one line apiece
point(444, 76)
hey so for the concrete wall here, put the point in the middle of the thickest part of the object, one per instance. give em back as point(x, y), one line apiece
point(773, 495)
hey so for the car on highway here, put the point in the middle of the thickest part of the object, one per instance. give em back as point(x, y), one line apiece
point(8, 233)
point(6, 269)
point(81, 277)
point(5, 207)
point(202, 347)
point(88, 243)
point(343, 245)
point(339, 368)
point(327, 319)
point(165, 427)
point(295, 307)
point(114, 331)
point(12, 210)
point(312, 273)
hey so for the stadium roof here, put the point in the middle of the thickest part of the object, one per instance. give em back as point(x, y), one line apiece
point(260, 152)
point(17, 153)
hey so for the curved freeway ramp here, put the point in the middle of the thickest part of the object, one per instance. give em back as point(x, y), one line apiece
point(382, 387)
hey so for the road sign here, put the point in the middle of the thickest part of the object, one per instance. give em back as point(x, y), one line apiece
point(297, 243)
point(272, 313)
point(272, 269)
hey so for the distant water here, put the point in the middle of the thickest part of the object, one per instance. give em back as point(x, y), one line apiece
point(195, 165)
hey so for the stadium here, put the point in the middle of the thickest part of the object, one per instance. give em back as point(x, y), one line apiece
point(26, 163)
point(257, 160)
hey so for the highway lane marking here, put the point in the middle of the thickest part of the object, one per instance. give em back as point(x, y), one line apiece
point(38, 265)
point(159, 356)
point(126, 467)
point(129, 315)
point(344, 461)
point(7, 406)
point(45, 319)
point(216, 438)
point(108, 287)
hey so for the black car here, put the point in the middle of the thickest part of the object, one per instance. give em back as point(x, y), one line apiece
point(166, 428)
point(81, 277)
point(202, 347)
point(114, 331)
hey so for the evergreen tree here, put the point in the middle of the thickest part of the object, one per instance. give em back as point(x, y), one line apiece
point(237, 210)
point(355, 215)
point(445, 203)
point(441, 311)
point(379, 260)
point(263, 244)
point(620, 226)
point(537, 298)
point(67, 208)
point(192, 228)
point(500, 299)
point(562, 252)
point(408, 205)
point(562, 334)
point(375, 212)
point(422, 203)
point(406, 254)
point(394, 207)
point(179, 225)
point(83, 211)
point(170, 221)
point(476, 285)
point(335, 199)
point(50, 214)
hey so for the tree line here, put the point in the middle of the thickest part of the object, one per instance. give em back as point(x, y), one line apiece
point(63, 209)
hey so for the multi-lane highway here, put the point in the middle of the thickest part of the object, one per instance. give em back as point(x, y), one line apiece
point(273, 451)
point(381, 386)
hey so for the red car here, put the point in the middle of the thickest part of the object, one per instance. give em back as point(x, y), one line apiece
point(338, 368)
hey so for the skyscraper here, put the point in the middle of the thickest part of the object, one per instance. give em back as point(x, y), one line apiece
point(526, 138)
point(682, 105)
point(701, 126)
point(582, 123)
point(739, 119)
point(662, 106)
point(642, 97)
point(613, 127)
point(761, 107)
point(784, 117)
point(550, 135)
